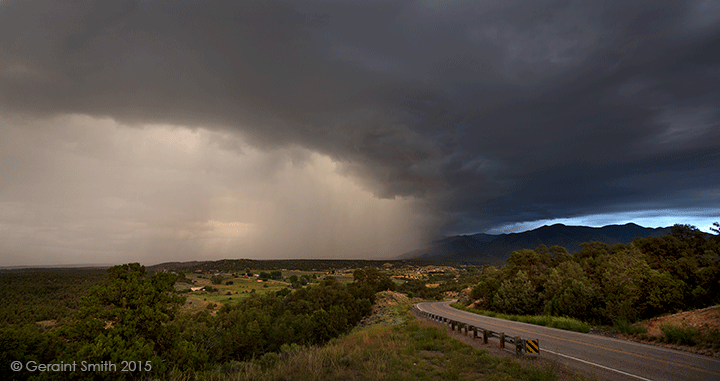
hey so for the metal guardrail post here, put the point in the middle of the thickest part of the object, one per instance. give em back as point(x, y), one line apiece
point(522, 346)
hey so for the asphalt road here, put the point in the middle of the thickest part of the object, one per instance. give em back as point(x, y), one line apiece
point(607, 358)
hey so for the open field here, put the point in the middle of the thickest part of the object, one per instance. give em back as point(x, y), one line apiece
point(241, 287)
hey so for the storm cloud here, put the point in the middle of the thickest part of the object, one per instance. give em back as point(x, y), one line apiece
point(442, 117)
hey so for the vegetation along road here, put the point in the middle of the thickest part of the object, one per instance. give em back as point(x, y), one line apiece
point(608, 358)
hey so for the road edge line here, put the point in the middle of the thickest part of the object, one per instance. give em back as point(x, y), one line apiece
point(597, 365)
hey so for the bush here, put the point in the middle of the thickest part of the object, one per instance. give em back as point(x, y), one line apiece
point(623, 326)
point(680, 335)
point(216, 279)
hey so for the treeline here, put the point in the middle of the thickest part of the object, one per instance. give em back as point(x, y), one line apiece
point(606, 284)
point(232, 265)
point(135, 316)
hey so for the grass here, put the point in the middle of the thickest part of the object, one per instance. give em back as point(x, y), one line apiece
point(684, 335)
point(566, 323)
point(396, 347)
point(623, 326)
point(680, 335)
point(240, 288)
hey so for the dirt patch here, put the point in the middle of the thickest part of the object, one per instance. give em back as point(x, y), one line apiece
point(46, 323)
point(384, 309)
point(703, 320)
point(389, 298)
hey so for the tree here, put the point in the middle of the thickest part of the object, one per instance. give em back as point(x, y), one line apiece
point(277, 275)
point(485, 290)
point(377, 280)
point(623, 281)
point(216, 279)
point(517, 295)
point(664, 293)
point(130, 317)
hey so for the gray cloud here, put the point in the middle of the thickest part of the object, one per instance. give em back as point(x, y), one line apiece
point(486, 113)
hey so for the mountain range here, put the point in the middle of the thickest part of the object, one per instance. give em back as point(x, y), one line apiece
point(484, 248)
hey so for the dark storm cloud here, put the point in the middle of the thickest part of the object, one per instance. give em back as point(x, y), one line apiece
point(494, 111)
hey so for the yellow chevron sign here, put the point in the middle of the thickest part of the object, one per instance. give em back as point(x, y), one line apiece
point(532, 346)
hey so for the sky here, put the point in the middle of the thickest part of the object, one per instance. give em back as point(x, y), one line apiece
point(154, 131)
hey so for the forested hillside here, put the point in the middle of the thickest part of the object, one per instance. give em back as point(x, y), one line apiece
point(134, 316)
point(608, 283)
point(32, 295)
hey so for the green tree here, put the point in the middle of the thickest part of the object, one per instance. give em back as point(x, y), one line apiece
point(216, 279)
point(130, 317)
point(517, 295)
point(276, 274)
point(484, 292)
point(372, 277)
point(663, 293)
point(529, 261)
point(568, 291)
point(623, 282)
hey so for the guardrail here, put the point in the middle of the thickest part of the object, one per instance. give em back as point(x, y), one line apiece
point(522, 346)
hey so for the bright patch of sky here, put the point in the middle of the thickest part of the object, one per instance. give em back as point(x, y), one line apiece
point(653, 219)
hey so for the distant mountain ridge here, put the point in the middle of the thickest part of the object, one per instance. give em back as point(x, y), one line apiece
point(495, 249)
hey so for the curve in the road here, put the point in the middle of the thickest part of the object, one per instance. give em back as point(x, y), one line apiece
point(612, 358)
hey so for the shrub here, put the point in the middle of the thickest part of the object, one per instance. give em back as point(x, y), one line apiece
point(623, 326)
point(216, 279)
point(680, 335)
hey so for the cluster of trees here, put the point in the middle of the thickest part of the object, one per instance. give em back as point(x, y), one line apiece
point(608, 283)
point(274, 275)
point(135, 316)
point(263, 323)
point(303, 280)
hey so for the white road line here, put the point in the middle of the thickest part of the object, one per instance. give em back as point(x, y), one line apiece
point(597, 365)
